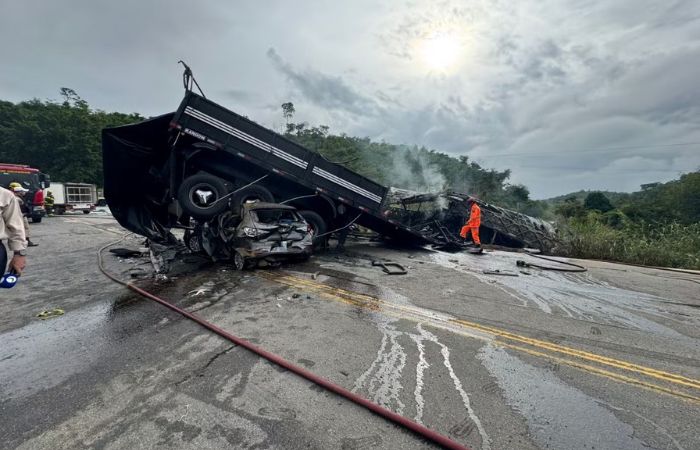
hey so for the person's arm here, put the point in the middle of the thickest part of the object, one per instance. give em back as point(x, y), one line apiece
point(14, 226)
point(470, 219)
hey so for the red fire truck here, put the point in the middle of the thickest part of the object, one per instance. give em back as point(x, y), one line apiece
point(32, 180)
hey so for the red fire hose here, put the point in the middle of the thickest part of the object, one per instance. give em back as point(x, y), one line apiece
point(375, 408)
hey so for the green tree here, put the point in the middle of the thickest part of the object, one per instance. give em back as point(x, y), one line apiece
point(61, 139)
point(614, 219)
point(518, 192)
point(571, 208)
point(597, 201)
point(288, 111)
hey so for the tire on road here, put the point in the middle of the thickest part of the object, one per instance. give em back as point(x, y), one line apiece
point(200, 196)
point(36, 219)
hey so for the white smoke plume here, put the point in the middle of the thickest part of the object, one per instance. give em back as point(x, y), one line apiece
point(412, 170)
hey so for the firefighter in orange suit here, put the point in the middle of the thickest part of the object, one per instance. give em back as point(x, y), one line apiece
point(473, 223)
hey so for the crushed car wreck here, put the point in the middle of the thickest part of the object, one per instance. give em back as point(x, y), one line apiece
point(261, 234)
point(199, 168)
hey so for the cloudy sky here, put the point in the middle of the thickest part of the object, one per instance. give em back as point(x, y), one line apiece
point(568, 94)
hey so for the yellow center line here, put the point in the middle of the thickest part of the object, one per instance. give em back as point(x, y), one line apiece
point(603, 372)
point(375, 304)
point(666, 376)
point(625, 365)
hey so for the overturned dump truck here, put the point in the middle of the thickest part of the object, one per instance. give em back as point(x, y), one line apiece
point(190, 168)
point(440, 216)
point(196, 167)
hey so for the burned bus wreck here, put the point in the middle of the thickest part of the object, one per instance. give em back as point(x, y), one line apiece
point(440, 216)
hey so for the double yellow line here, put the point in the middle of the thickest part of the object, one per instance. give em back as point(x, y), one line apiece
point(673, 384)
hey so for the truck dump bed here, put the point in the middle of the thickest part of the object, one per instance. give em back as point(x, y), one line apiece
point(212, 123)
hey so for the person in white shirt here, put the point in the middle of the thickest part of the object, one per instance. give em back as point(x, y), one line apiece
point(12, 231)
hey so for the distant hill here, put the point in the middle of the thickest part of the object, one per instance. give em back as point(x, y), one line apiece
point(677, 200)
point(614, 197)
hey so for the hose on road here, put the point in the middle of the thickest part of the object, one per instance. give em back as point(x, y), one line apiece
point(577, 268)
point(417, 428)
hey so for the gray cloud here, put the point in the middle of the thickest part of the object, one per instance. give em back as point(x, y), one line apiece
point(323, 90)
point(569, 95)
point(107, 51)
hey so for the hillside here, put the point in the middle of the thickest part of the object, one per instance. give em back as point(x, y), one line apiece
point(657, 226)
point(676, 200)
point(579, 196)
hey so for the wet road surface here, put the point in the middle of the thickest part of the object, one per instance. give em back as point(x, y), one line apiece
point(604, 359)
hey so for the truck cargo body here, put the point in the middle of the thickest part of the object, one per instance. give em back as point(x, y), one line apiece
point(73, 197)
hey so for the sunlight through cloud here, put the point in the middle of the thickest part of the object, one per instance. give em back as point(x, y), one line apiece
point(440, 52)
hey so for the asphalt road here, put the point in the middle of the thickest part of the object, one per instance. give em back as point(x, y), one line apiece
point(606, 359)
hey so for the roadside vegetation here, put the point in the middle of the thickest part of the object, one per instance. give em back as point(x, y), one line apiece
point(658, 226)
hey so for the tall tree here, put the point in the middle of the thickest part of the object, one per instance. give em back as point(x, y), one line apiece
point(598, 201)
point(288, 111)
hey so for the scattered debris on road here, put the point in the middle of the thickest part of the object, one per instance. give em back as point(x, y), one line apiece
point(391, 268)
point(49, 313)
point(500, 272)
point(126, 252)
point(576, 267)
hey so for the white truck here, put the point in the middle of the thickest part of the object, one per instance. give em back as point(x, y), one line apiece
point(73, 197)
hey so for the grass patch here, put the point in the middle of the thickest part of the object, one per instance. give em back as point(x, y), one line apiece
point(664, 245)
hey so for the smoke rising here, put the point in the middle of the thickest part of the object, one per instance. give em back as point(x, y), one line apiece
point(412, 170)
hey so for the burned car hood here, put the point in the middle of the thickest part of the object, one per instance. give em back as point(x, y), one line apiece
point(135, 176)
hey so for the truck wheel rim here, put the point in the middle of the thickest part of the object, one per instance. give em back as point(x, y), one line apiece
point(203, 196)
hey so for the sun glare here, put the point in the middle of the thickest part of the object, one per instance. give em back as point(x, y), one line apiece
point(440, 52)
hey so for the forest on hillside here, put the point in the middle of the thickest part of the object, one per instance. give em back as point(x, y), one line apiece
point(658, 225)
point(61, 138)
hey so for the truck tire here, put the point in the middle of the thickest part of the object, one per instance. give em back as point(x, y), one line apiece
point(252, 193)
point(36, 219)
point(86, 211)
point(317, 224)
point(200, 196)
